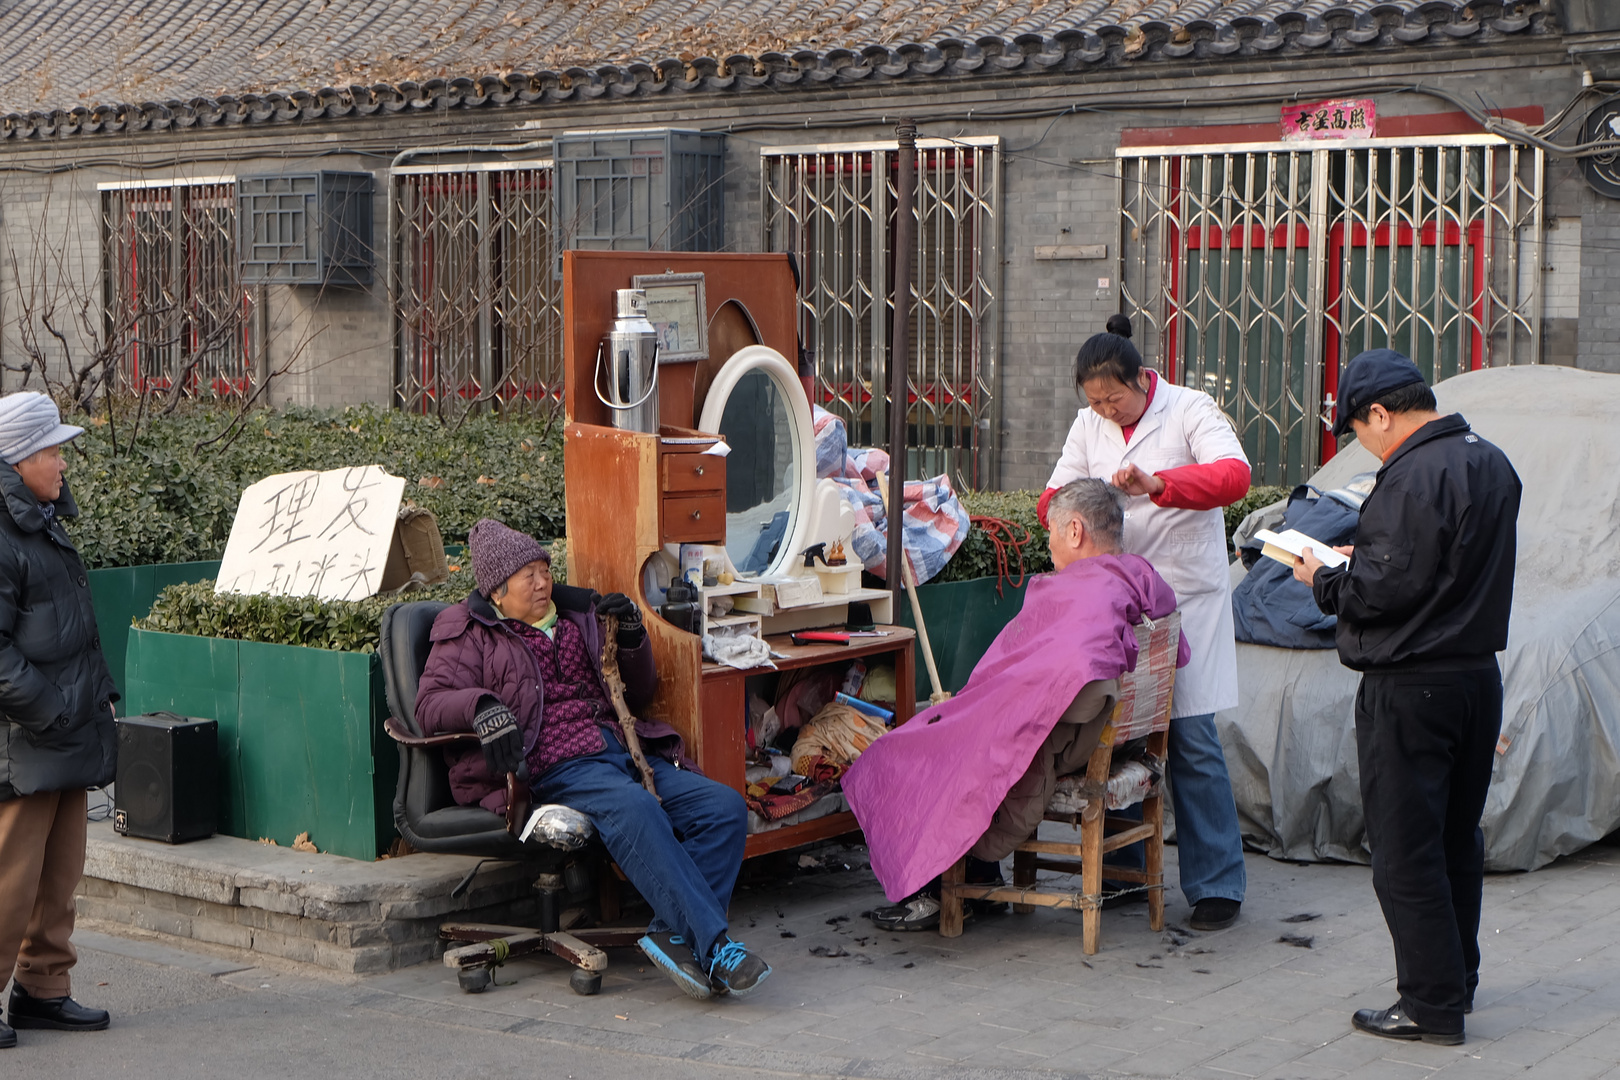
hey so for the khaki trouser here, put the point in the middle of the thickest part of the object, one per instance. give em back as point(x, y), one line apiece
point(41, 861)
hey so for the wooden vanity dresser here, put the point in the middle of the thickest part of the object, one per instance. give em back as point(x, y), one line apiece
point(629, 493)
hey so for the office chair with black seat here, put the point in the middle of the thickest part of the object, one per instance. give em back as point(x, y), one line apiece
point(559, 842)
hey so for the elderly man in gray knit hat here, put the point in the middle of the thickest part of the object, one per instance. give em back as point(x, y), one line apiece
point(56, 700)
point(519, 662)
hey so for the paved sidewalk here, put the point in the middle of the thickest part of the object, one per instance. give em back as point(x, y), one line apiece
point(1015, 995)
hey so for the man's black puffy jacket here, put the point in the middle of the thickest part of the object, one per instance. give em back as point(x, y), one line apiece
point(1431, 582)
point(56, 725)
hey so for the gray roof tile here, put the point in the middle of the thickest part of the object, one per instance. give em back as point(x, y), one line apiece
point(65, 64)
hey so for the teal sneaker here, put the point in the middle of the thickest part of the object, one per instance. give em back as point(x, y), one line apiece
point(673, 955)
point(736, 971)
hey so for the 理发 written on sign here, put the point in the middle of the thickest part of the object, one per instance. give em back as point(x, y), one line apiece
point(323, 534)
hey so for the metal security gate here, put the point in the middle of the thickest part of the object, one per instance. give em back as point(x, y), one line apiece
point(478, 310)
point(834, 206)
point(1255, 273)
point(173, 304)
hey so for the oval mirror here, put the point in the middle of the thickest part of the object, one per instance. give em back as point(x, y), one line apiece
point(757, 403)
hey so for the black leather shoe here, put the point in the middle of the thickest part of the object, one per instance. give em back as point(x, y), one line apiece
point(8, 1038)
point(1214, 913)
point(1393, 1023)
point(55, 1014)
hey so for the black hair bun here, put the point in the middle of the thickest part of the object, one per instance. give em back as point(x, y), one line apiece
point(1119, 324)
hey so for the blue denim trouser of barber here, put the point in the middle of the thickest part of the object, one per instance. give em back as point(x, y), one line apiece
point(1209, 847)
point(681, 854)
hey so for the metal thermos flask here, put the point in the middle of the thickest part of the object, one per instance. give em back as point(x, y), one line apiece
point(631, 360)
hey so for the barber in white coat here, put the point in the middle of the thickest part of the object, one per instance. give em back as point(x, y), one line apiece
point(1175, 454)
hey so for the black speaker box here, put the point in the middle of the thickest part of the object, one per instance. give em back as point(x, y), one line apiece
point(168, 773)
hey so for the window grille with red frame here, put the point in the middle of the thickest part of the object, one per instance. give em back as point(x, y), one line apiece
point(173, 301)
point(476, 302)
point(834, 206)
point(1256, 273)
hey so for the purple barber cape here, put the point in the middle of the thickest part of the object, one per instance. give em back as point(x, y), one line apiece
point(925, 792)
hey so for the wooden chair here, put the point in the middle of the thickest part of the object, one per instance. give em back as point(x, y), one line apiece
point(1143, 709)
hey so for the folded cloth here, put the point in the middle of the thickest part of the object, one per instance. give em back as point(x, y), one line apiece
point(773, 807)
point(835, 737)
point(737, 650)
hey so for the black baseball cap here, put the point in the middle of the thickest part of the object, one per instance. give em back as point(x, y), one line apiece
point(1367, 378)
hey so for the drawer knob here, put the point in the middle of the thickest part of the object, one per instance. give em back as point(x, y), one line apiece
point(698, 471)
point(697, 515)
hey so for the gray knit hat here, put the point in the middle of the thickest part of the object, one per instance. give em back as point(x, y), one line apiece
point(29, 423)
point(499, 551)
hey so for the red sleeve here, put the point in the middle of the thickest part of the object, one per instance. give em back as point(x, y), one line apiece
point(1040, 507)
point(1204, 487)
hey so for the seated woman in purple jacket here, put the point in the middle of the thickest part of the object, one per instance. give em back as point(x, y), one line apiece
point(520, 663)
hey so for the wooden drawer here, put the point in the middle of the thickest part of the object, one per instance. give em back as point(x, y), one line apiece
point(694, 519)
point(693, 472)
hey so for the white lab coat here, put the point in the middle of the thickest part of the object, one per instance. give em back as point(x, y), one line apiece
point(1187, 547)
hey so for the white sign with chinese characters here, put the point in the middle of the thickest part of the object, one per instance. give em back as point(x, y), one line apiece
point(324, 534)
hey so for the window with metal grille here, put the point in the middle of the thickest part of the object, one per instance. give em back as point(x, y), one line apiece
point(1255, 273)
point(175, 310)
point(834, 206)
point(478, 311)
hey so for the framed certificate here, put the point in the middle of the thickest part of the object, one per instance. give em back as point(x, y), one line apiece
point(678, 311)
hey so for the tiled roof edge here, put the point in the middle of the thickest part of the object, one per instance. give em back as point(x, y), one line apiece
point(1336, 30)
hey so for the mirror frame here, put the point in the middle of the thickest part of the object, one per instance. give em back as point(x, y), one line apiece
point(766, 359)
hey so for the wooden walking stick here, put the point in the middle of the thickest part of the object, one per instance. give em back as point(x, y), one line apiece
point(615, 685)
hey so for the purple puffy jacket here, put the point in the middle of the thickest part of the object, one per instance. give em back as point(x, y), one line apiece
point(474, 655)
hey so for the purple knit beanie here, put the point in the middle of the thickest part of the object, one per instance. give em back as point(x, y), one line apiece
point(499, 551)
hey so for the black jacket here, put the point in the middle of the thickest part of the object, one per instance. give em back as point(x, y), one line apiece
point(1431, 582)
point(56, 725)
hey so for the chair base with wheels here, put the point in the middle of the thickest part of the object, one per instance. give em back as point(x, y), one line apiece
point(1142, 712)
point(561, 845)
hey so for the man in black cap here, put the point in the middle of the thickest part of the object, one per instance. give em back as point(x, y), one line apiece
point(1422, 611)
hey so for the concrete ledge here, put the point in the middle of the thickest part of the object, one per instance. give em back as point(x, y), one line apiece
point(336, 913)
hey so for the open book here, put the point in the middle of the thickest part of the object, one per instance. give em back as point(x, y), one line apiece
point(1285, 547)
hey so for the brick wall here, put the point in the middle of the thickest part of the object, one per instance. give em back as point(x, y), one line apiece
point(1059, 187)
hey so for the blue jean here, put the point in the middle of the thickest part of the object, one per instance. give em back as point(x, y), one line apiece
point(1209, 847)
point(682, 854)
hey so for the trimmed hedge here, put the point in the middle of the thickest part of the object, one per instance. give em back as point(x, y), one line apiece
point(1254, 500)
point(342, 625)
point(977, 555)
point(167, 500)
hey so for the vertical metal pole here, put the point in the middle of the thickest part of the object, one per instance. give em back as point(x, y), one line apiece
point(1317, 362)
point(261, 316)
point(900, 350)
point(1539, 246)
point(484, 360)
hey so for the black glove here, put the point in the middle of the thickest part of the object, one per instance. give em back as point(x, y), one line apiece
point(624, 609)
point(497, 730)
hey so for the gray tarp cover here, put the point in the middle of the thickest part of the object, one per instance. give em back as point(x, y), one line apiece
point(1290, 744)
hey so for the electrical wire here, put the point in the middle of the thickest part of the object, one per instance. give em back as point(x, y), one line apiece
point(100, 810)
point(1511, 130)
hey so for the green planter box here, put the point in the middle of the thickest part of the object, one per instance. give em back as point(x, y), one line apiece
point(122, 594)
point(301, 742)
point(963, 618)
